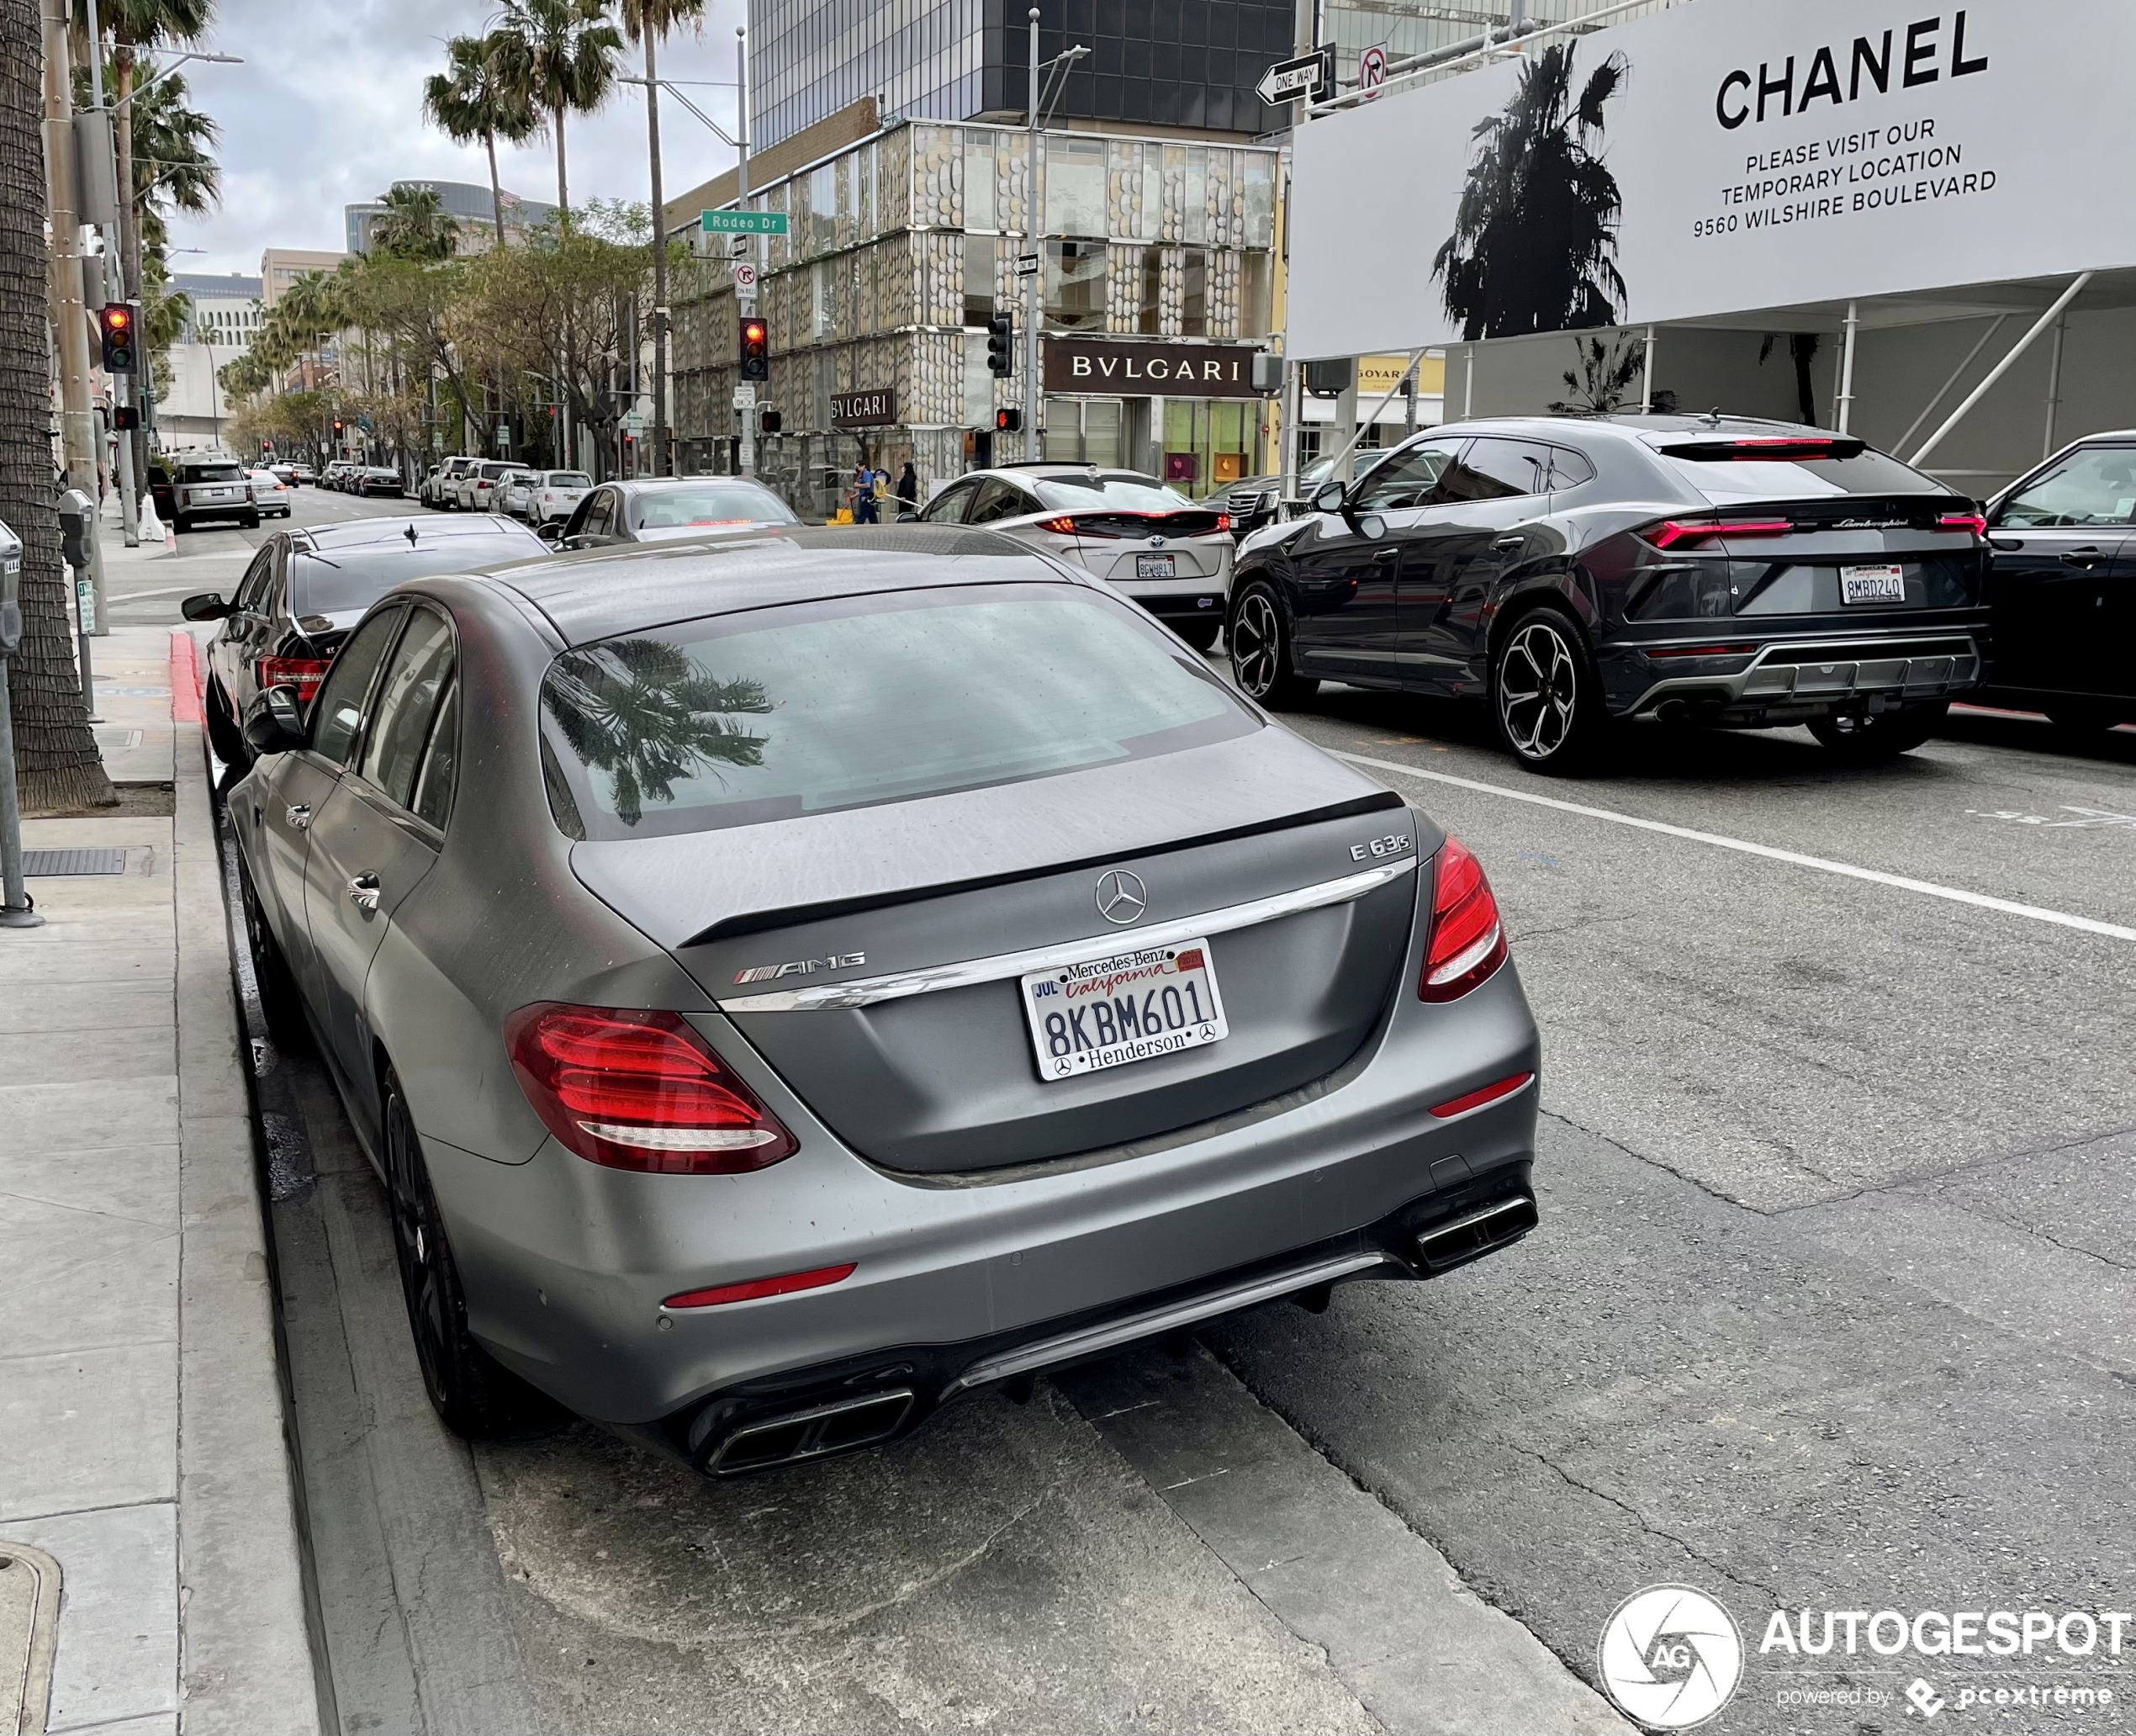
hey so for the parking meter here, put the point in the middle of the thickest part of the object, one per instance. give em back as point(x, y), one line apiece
point(16, 910)
point(10, 591)
point(78, 515)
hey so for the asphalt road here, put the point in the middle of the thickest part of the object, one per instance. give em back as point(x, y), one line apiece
point(1830, 1309)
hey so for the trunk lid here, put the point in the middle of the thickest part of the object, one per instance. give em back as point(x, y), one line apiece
point(946, 1080)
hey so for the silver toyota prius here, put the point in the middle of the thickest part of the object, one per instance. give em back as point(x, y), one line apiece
point(786, 982)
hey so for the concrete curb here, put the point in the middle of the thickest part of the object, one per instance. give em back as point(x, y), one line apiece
point(247, 1658)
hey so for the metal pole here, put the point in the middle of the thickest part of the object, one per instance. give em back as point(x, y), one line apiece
point(77, 421)
point(660, 467)
point(1468, 389)
point(128, 507)
point(742, 189)
point(2055, 386)
point(1646, 375)
point(1957, 373)
point(2061, 306)
point(1846, 406)
point(15, 911)
point(1031, 247)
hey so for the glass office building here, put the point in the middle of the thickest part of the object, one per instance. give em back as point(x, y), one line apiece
point(1153, 63)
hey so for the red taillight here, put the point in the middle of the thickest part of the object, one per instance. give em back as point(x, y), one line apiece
point(751, 1289)
point(637, 1089)
point(1224, 520)
point(1467, 942)
point(1063, 525)
point(1475, 1099)
point(304, 673)
point(1677, 531)
point(1972, 521)
point(1700, 650)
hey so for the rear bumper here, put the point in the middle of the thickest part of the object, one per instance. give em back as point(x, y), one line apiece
point(1800, 676)
point(567, 1264)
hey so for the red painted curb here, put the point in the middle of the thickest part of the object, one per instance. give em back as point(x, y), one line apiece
point(187, 687)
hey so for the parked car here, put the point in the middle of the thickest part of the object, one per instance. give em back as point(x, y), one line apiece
point(212, 487)
point(1141, 536)
point(377, 480)
point(302, 474)
point(439, 486)
point(285, 473)
point(2062, 586)
point(163, 492)
point(515, 489)
point(304, 589)
point(1714, 570)
point(665, 509)
point(556, 496)
point(271, 492)
point(475, 489)
point(1253, 501)
point(337, 474)
point(708, 1090)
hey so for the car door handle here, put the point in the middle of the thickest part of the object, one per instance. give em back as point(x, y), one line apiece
point(2081, 558)
point(298, 815)
point(1503, 543)
point(363, 892)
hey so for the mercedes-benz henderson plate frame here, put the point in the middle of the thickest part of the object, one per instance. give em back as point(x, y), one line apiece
point(664, 916)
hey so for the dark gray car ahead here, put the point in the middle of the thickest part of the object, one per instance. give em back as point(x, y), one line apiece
point(790, 981)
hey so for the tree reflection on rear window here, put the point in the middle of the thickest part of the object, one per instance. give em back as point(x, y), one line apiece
point(862, 701)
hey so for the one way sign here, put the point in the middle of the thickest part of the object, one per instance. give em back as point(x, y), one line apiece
point(1308, 76)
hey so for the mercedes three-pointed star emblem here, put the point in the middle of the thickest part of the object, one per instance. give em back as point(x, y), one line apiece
point(1121, 896)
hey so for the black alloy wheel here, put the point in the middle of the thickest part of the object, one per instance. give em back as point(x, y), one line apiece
point(279, 1002)
point(1261, 652)
point(1547, 694)
point(473, 1395)
point(1864, 740)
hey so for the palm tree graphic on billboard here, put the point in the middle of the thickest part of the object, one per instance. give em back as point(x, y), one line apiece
point(1535, 241)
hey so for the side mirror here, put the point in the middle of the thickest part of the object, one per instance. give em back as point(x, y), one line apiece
point(906, 515)
point(207, 606)
point(1328, 497)
point(277, 724)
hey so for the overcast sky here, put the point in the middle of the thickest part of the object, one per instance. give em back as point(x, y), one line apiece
point(327, 110)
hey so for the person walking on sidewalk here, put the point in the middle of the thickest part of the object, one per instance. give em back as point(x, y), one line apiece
point(908, 490)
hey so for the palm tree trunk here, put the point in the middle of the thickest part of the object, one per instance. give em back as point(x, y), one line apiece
point(562, 186)
point(496, 192)
point(659, 260)
point(56, 754)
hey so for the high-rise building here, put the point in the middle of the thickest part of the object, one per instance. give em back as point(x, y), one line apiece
point(466, 204)
point(1152, 65)
point(280, 267)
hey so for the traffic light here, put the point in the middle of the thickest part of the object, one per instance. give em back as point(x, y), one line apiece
point(772, 422)
point(752, 350)
point(337, 426)
point(1000, 346)
point(115, 323)
point(1008, 421)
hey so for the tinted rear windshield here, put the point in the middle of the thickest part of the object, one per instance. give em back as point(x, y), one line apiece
point(858, 702)
point(1113, 494)
point(1722, 480)
point(570, 478)
point(711, 503)
point(353, 578)
point(211, 473)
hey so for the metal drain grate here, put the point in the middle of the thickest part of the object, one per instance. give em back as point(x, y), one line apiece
point(48, 864)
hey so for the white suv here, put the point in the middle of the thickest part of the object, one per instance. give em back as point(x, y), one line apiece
point(477, 485)
point(212, 487)
point(1142, 536)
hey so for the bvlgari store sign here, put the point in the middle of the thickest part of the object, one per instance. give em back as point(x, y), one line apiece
point(1119, 368)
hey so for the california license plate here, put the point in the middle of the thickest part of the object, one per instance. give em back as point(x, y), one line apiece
point(1156, 566)
point(1873, 584)
point(1134, 1006)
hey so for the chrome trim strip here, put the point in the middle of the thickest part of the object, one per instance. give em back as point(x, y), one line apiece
point(869, 990)
point(1047, 1352)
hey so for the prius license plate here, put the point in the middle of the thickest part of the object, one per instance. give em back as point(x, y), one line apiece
point(1134, 1006)
point(1873, 584)
point(1156, 566)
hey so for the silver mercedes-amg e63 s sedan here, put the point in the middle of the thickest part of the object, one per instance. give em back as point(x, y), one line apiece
point(785, 983)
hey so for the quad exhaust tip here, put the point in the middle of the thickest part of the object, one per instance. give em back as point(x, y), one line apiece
point(817, 1432)
point(1440, 1247)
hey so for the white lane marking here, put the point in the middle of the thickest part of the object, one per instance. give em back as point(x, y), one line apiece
point(1927, 888)
point(127, 596)
point(2087, 819)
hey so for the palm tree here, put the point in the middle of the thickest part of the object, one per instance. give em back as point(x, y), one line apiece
point(415, 224)
point(642, 711)
point(1535, 241)
point(56, 754)
point(648, 21)
point(1604, 377)
point(469, 100)
point(558, 56)
point(172, 169)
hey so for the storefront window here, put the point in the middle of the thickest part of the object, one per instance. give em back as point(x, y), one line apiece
point(1259, 198)
point(979, 179)
point(1149, 319)
point(1208, 443)
point(1074, 187)
point(1074, 284)
point(978, 277)
point(1194, 294)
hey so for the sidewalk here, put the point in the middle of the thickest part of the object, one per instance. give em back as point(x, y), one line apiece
point(141, 1418)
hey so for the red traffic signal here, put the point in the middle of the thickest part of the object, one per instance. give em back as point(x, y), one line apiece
point(1008, 421)
point(753, 349)
point(115, 330)
point(337, 425)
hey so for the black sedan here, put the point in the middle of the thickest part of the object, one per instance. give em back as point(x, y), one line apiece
point(2063, 586)
point(672, 508)
point(306, 588)
point(1575, 572)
